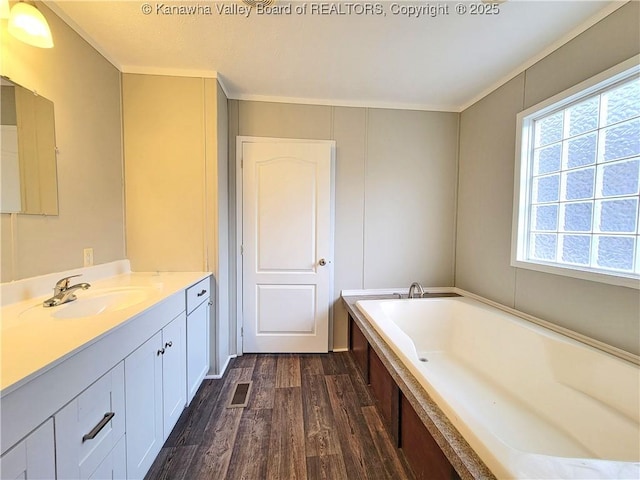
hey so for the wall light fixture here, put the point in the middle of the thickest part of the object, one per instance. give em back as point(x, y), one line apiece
point(28, 25)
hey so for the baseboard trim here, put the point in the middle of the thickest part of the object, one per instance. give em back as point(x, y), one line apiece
point(337, 350)
point(222, 372)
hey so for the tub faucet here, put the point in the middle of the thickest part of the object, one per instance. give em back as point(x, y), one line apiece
point(63, 293)
point(412, 289)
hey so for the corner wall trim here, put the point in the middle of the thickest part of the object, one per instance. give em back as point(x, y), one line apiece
point(219, 375)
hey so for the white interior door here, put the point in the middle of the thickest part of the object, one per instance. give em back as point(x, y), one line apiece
point(287, 244)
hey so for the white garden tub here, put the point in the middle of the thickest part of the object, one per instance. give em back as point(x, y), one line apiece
point(532, 403)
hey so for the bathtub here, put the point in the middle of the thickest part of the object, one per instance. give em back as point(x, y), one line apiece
point(531, 402)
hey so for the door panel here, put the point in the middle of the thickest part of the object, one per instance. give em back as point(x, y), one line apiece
point(297, 317)
point(286, 202)
point(286, 223)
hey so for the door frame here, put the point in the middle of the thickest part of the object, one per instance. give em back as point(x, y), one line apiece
point(240, 140)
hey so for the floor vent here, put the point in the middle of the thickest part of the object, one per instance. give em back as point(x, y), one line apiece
point(240, 395)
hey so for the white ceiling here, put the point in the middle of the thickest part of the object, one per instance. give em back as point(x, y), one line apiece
point(441, 63)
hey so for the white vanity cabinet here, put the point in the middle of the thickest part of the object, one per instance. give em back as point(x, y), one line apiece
point(198, 305)
point(155, 386)
point(101, 408)
point(88, 429)
point(32, 458)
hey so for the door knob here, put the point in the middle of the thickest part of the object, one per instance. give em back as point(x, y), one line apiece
point(322, 262)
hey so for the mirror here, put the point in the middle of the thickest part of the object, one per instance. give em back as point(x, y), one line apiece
point(28, 176)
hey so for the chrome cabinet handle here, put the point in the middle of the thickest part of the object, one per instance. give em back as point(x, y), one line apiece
point(168, 344)
point(161, 352)
point(210, 303)
point(202, 293)
point(101, 424)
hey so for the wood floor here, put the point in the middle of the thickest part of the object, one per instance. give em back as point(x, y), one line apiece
point(308, 417)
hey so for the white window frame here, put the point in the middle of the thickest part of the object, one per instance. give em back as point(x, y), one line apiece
point(524, 129)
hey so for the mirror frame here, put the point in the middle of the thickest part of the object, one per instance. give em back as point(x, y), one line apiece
point(30, 159)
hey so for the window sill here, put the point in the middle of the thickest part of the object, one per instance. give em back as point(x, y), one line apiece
point(622, 280)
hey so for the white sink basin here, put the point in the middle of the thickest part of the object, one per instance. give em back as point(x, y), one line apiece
point(95, 302)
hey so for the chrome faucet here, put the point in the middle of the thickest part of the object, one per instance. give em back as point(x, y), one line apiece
point(63, 293)
point(412, 289)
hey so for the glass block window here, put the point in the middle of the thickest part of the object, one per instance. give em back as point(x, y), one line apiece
point(578, 189)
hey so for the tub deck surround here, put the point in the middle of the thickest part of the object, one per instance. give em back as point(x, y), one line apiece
point(462, 457)
point(575, 415)
point(33, 341)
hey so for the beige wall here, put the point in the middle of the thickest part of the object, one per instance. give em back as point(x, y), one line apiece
point(175, 156)
point(85, 90)
point(395, 190)
point(487, 155)
point(164, 147)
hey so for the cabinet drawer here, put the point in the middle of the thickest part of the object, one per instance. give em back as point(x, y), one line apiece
point(114, 466)
point(198, 294)
point(89, 427)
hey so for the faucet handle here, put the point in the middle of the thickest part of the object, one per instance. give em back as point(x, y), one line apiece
point(63, 283)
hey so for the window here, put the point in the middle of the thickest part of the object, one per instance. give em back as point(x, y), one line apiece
point(577, 196)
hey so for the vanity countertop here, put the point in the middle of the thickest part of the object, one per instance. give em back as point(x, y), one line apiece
point(31, 344)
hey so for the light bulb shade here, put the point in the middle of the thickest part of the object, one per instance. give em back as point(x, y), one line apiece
point(28, 25)
point(4, 9)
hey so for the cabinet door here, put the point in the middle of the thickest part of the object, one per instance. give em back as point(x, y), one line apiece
point(197, 347)
point(143, 404)
point(174, 381)
point(33, 458)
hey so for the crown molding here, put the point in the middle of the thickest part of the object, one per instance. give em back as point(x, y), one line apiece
point(170, 72)
point(223, 84)
point(53, 6)
point(345, 103)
